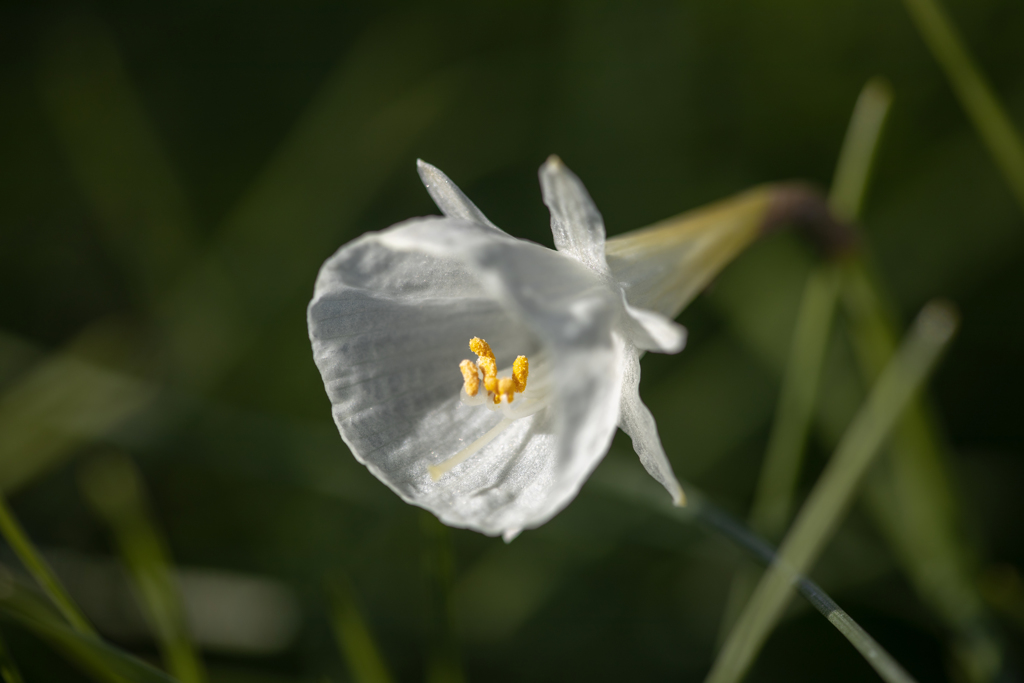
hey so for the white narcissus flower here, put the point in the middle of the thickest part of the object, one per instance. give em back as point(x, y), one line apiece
point(393, 312)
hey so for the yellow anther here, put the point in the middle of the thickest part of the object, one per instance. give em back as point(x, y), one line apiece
point(486, 369)
point(471, 376)
point(520, 371)
point(481, 348)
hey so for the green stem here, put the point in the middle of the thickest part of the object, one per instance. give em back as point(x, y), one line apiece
point(880, 660)
point(825, 507)
point(911, 495)
point(621, 483)
point(776, 487)
point(774, 496)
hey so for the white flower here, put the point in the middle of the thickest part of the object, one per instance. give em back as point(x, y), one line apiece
point(393, 312)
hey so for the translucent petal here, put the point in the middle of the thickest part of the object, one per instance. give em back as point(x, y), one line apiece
point(636, 420)
point(390, 320)
point(449, 198)
point(650, 331)
point(576, 224)
point(663, 267)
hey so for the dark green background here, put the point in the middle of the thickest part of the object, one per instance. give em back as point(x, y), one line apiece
point(659, 107)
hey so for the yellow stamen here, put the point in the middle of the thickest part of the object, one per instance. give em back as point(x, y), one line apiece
point(485, 370)
point(481, 348)
point(488, 366)
point(471, 376)
point(506, 388)
point(520, 371)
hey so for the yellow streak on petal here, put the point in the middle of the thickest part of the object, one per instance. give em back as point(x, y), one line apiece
point(436, 471)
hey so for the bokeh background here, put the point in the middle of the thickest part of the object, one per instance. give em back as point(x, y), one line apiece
point(173, 174)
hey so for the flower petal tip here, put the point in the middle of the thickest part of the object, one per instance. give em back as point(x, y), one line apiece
point(679, 498)
point(554, 163)
point(510, 535)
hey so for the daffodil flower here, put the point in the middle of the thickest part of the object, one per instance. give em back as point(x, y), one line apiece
point(504, 442)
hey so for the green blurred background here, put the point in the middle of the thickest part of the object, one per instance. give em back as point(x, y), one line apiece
point(172, 176)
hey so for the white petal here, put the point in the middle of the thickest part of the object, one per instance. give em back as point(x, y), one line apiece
point(576, 224)
point(636, 420)
point(663, 267)
point(390, 321)
point(650, 331)
point(448, 197)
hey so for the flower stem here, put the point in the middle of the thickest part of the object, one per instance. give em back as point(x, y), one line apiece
point(776, 486)
point(638, 490)
point(887, 667)
point(825, 507)
point(773, 499)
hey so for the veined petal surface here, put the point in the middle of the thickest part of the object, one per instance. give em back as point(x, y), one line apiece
point(390, 320)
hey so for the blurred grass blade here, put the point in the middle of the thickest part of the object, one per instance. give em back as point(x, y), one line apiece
point(115, 154)
point(114, 489)
point(63, 401)
point(103, 661)
point(775, 492)
point(445, 665)
point(834, 491)
point(639, 490)
point(911, 495)
point(774, 495)
point(23, 547)
point(776, 486)
point(8, 668)
point(860, 146)
point(973, 90)
point(355, 641)
point(880, 660)
point(777, 482)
